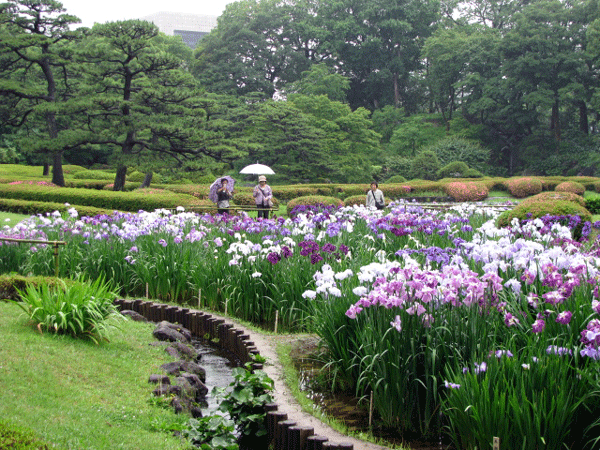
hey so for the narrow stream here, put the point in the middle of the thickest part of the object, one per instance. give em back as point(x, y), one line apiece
point(218, 366)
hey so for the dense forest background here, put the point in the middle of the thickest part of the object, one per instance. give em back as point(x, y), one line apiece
point(320, 90)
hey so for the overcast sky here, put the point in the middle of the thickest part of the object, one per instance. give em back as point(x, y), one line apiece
point(91, 11)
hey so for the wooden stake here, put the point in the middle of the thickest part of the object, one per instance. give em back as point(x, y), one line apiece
point(276, 320)
point(147, 294)
point(371, 410)
point(226, 300)
point(496, 443)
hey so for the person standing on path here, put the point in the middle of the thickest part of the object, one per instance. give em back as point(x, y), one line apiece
point(375, 197)
point(263, 196)
point(223, 197)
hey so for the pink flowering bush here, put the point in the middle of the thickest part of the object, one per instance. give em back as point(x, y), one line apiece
point(524, 187)
point(571, 186)
point(466, 192)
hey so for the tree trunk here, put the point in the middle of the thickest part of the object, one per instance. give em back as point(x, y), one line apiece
point(555, 121)
point(46, 170)
point(147, 179)
point(584, 125)
point(120, 178)
point(58, 177)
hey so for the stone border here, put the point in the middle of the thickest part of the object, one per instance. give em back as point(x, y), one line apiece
point(283, 433)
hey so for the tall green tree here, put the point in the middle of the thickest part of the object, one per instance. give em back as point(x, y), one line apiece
point(142, 100)
point(35, 70)
point(378, 47)
point(259, 46)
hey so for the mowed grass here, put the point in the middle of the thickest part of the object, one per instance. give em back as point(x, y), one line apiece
point(73, 394)
point(10, 219)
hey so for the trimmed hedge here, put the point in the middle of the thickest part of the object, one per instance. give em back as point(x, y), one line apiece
point(33, 208)
point(455, 169)
point(12, 283)
point(593, 205)
point(355, 200)
point(467, 192)
point(314, 200)
point(142, 199)
point(396, 179)
point(571, 186)
point(524, 187)
point(93, 175)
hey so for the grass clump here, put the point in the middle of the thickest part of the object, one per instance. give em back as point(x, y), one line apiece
point(79, 309)
point(19, 438)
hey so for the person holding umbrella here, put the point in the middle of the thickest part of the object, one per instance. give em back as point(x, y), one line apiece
point(223, 196)
point(263, 197)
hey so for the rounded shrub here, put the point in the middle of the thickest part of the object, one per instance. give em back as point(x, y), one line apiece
point(524, 186)
point(455, 169)
point(93, 175)
point(473, 173)
point(571, 186)
point(541, 208)
point(314, 200)
point(396, 179)
point(462, 191)
point(355, 200)
point(550, 196)
point(425, 166)
point(136, 176)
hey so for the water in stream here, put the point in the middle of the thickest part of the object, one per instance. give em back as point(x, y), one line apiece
point(218, 366)
point(348, 410)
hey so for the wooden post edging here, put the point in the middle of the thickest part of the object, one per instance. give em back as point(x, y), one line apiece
point(283, 433)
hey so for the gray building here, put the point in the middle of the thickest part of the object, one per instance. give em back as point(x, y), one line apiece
point(191, 27)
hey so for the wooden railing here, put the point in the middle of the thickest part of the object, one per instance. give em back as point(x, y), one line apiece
point(54, 244)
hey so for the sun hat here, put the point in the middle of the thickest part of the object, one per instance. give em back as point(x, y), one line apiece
point(262, 178)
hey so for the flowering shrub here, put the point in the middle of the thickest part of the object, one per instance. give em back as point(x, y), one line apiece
point(550, 196)
point(313, 200)
point(541, 208)
point(524, 187)
point(571, 186)
point(466, 192)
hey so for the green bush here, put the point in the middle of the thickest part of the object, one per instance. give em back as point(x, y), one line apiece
point(571, 186)
point(524, 186)
point(396, 179)
point(425, 166)
point(142, 199)
point(33, 208)
point(541, 208)
point(455, 148)
point(473, 173)
point(467, 192)
point(314, 200)
point(593, 205)
point(136, 177)
point(455, 169)
point(355, 200)
point(93, 175)
point(79, 309)
point(553, 195)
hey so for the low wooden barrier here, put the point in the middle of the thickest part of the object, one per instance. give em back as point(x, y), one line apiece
point(283, 434)
point(231, 208)
point(54, 244)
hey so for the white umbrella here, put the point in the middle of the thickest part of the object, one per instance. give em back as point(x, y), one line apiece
point(257, 169)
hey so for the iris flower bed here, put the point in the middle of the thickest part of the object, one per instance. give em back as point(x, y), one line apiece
point(454, 325)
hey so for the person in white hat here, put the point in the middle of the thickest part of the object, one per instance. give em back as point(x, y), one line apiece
point(263, 196)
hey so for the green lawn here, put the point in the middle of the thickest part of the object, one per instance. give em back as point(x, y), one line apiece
point(10, 219)
point(73, 394)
